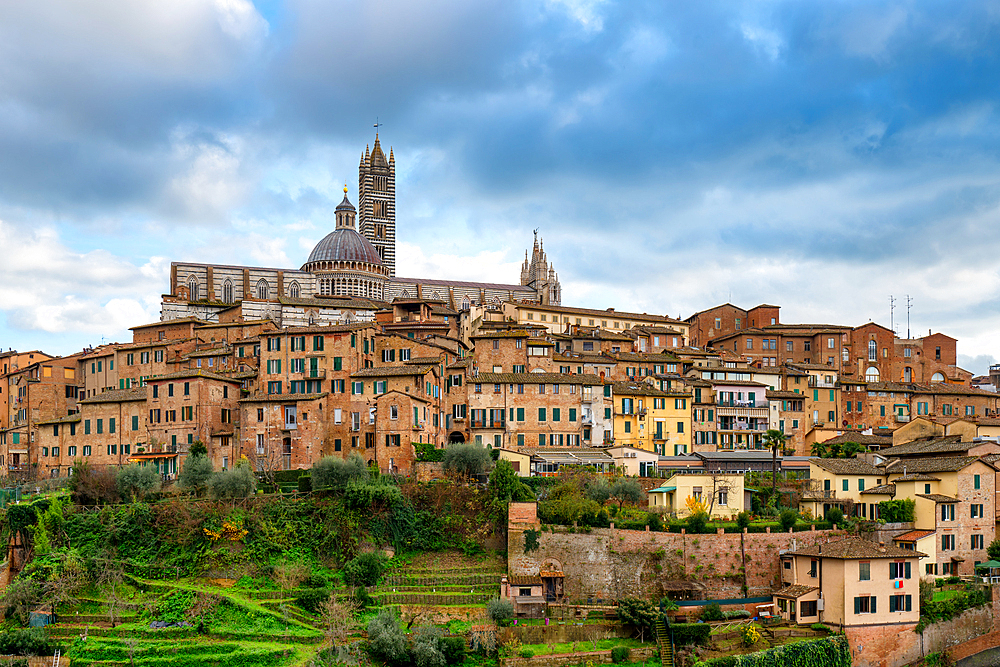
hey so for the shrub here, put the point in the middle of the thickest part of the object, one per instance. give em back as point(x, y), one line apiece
point(375, 497)
point(736, 613)
point(626, 490)
point(636, 612)
point(619, 654)
point(654, 521)
point(453, 649)
point(365, 570)
point(819, 627)
point(506, 486)
point(835, 516)
point(26, 641)
point(691, 633)
point(93, 486)
point(500, 611)
point(742, 520)
point(426, 451)
point(386, 640)
point(526, 653)
point(896, 511)
point(305, 483)
point(195, 474)
point(137, 480)
point(311, 599)
point(697, 522)
point(334, 473)
point(467, 459)
point(598, 490)
point(237, 482)
point(712, 612)
point(787, 518)
point(427, 647)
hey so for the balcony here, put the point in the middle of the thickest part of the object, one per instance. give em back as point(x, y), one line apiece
point(815, 382)
point(902, 419)
point(741, 404)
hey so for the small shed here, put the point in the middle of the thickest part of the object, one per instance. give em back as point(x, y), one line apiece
point(41, 617)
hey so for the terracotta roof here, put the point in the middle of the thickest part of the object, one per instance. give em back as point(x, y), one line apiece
point(737, 383)
point(913, 535)
point(951, 443)
point(916, 477)
point(392, 371)
point(215, 351)
point(847, 466)
point(783, 394)
point(852, 547)
point(794, 591)
point(882, 490)
point(647, 357)
point(500, 334)
point(937, 497)
point(860, 438)
point(334, 328)
point(118, 396)
point(69, 419)
point(181, 320)
point(937, 464)
point(524, 580)
point(535, 378)
point(637, 389)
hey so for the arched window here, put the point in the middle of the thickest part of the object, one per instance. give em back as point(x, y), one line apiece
point(937, 377)
point(193, 292)
point(293, 290)
point(227, 291)
point(845, 355)
point(872, 350)
point(263, 289)
point(871, 375)
point(465, 303)
point(435, 296)
point(907, 374)
point(405, 294)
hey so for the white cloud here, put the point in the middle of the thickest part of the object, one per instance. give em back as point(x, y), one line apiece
point(46, 287)
point(767, 42)
point(486, 266)
point(585, 12)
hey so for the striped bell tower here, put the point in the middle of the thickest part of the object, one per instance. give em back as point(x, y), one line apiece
point(377, 202)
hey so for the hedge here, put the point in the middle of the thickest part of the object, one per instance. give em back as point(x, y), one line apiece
point(827, 652)
point(691, 633)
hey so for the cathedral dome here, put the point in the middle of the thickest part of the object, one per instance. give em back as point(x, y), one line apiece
point(344, 245)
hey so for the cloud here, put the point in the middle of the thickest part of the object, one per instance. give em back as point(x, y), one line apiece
point(46, 287)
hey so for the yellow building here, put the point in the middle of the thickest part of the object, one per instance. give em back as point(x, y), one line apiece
point(723, 494)
point(651, 419)
point(850, 583)
point(853, 485)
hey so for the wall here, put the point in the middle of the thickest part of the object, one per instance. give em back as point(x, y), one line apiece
point(609, 563)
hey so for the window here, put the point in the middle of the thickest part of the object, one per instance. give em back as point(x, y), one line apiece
point(947, 512)
point(807, 608)
point(541, 414)
point(864, 604)
point(872, 350)
point(723, 497)
point(976, 481)
point(872, 374)
point(900, 603)
point(977, 541)
point(813, 567)
point(845, 485)
point(861, 484)
point(789, 346)
point(947, 543)
point(899, 570)
point(977, 511)
point(864, 571)
point(86, 450)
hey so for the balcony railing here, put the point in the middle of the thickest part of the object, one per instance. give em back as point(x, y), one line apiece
point(741, 404)
point(902, 419)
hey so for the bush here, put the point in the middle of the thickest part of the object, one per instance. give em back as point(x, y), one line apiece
point(311, 599)
point(195, 474)
point(506, 485)
point(625, 490)
point(93, 486)
point(467, 459)
point(712, 612)
point(526, 653)
point(619, 654)
point(736, 613)
point(500, 611)
point(305, 483)
point(137, 480)
point(386, 640)
point(26, 641)
point(835, 516)
point(427, 647)
point(364, 570)
point(654, 521)
point(691, 633)
point(453, 649)
point(334, 473)
point(787, 519)
point(375, 497)
point(819, 627)
point(742, 520)
point(896, 511)
point(638, 613)
point(237, 482)
point(426, 451)
point(697, 522)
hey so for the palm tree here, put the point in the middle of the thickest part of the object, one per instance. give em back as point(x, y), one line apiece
point(851, 449)
point(819, 449)
point(774, 439)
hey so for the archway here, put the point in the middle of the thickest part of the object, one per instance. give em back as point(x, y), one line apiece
point(456, 437)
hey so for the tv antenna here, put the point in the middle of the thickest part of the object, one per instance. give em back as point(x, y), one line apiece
point(892, 307)
point(909, 301)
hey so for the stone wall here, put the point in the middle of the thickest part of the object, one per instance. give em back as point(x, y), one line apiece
point(609, 563)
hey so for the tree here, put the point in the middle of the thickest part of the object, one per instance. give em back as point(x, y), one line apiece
point(198, 448)
point(774, 439)
point(386, 639)
point(365, 569)
point(467, 459)
point(427, 647)
point(819, 449)
point(500, 610)
point(237, 482)
point(851, 450)
point(137, 480)
point(640, 614)
point(93, 485)
point(337, 618)
point(334, 473)
point(993, 551)
point(742, 520)
point(787, 518)
point(697, 522)
point(835, 515)
point(195, 474)
point(111, 580)
point(290, 575)
point(598, 490)
point(626, 491)
point(505, 485)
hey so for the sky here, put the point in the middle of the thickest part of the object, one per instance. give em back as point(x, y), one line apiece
point(823, 156)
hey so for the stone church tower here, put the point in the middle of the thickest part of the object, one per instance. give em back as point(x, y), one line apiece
point(377, 203)
point(540, 276)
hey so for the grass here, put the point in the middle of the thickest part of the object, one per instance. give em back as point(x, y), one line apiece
point(945, 595)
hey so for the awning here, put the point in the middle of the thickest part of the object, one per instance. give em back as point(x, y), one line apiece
point(663, 489)
point(152, 455)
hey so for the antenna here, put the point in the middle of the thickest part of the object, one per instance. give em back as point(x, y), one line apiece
point(892, 307)
point(377, 125)
point(909, 301)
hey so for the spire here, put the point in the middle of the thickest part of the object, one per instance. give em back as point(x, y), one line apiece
point(392, 158)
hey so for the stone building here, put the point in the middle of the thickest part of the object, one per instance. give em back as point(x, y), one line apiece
point(377, 203)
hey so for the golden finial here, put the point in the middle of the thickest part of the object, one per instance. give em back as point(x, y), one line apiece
point(345, 189)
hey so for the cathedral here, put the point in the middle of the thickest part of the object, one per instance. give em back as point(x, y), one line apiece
point(350, 273)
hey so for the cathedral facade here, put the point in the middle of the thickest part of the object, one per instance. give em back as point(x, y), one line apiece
point(350, 273)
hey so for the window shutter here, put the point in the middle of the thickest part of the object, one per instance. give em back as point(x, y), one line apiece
point(909, 601)
point(906, 570)
point(892, 571)
point(857, 605)
point(873, 609)
point(892, 603)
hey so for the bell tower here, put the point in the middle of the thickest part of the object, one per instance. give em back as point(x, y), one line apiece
point(377, 202)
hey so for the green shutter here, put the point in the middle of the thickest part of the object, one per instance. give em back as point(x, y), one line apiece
point(909, 601)
point(906, 570)
point(520, 414)
point(555, 414)
point(857, 605)
point(541, 414)
point(874, 607)
point(338, 363)
point(572, 414)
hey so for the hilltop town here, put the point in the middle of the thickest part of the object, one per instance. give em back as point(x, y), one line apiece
point(827, 478)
